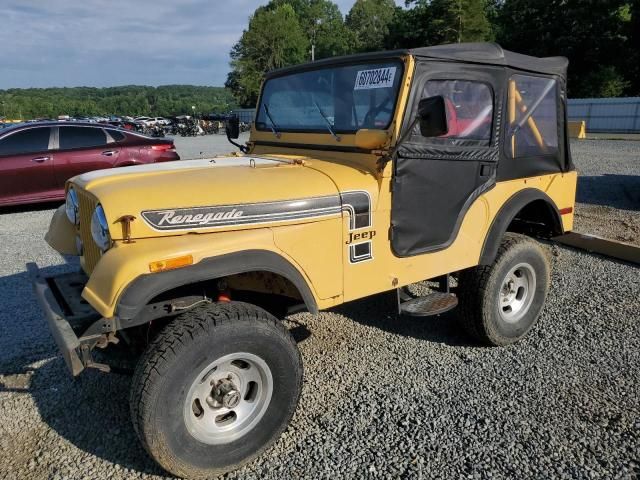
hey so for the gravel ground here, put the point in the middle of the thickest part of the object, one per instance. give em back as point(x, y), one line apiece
point(384, 396)
point(608, 198)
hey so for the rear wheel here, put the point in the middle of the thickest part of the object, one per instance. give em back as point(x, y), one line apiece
point(500, 303)
point(215, 388)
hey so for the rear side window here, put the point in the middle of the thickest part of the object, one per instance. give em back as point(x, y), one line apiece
point(26, 141)
point(532, 116)
point(469, 107)
point(81, 137)
point(116, 135)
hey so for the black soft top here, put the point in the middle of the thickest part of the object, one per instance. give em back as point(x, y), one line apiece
point(494, 54)
point(484, 53)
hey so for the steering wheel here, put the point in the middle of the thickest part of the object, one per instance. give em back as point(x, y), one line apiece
point(373, 112)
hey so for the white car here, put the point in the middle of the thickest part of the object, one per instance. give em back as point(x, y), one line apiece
point(150, 121)
point(161, 120)
point(142, 120)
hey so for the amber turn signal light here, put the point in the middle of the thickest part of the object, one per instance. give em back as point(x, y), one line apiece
point(170, 263)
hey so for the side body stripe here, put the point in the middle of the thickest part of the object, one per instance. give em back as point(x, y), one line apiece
point(356, 203)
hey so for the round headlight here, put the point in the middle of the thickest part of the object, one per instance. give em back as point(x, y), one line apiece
point(100, 229)
point(71, 207)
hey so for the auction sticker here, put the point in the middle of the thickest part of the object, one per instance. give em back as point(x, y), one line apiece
point(375, 78)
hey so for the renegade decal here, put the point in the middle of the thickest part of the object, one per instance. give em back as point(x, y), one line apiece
point(358, 205)
point(242, 214)
point(376, 78)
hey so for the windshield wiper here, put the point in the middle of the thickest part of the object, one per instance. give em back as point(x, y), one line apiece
point(329, 127)
point(274, 128)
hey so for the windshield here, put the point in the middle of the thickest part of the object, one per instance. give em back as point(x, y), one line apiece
point(339, 99)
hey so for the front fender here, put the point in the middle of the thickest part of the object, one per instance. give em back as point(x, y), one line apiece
point(145, 287)
point(61, 235)
point(110, 289)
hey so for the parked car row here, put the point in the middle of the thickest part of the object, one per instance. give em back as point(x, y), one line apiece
point(36, 159)
point(152, 120)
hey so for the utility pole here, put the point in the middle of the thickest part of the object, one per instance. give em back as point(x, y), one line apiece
point(314, 31)
point(459, 21)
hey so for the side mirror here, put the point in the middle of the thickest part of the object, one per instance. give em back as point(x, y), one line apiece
point(232, 127)
point(432, 115)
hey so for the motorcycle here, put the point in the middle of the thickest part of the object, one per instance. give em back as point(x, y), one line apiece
point(155, 130)
point(209, 127)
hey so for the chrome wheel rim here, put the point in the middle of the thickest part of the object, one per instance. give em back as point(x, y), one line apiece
point(228, 398)
point(517, 292)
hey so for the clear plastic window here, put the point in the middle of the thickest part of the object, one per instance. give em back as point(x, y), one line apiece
point(532, 116)
point(469, 107)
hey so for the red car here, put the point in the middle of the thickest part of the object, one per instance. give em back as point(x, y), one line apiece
point(36, 159)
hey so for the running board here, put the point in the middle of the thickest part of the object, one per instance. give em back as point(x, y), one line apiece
point(433, 304)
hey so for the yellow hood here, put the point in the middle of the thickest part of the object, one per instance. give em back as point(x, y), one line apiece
point(199, 196)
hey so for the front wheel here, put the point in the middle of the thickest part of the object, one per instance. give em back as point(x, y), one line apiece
point(215, 388)
point(500, 303)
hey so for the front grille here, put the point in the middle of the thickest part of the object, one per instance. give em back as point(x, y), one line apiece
point(90, 251)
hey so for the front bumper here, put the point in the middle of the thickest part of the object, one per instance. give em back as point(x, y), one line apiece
point(74, 325)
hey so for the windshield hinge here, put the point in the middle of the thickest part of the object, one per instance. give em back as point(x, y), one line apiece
point(384, 157)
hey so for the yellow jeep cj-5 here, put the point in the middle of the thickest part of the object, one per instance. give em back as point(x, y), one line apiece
point(362, 174)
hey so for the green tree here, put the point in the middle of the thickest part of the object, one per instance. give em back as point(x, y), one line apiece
point(273, 39)
point(591, 33)
point(322, 23)
point(459, 21)
point(167, 100)
point(326, 29)
point(434, 22)
point(369, 20)
point(633, 48)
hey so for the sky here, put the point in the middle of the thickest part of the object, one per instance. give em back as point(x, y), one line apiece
point(98, 43)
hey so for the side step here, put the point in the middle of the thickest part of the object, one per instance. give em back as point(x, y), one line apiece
point(432, 304)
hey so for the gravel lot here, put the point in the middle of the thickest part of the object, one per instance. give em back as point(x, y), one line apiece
point(384, 396)
point(609, 189)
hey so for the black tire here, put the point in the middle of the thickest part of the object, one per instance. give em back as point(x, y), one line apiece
point(480, 292)
point(173, 362)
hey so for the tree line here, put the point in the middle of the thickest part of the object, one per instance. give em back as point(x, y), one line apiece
point(167, 100)
point(600, 38)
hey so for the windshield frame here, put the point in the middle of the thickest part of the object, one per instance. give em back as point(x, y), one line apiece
point(396, 61)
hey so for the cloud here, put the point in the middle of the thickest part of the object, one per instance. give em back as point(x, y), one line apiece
point(121, 42)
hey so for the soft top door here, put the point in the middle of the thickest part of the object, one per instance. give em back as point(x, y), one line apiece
point(437, 179)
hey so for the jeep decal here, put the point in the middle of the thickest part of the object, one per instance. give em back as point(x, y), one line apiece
point(358, 205)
